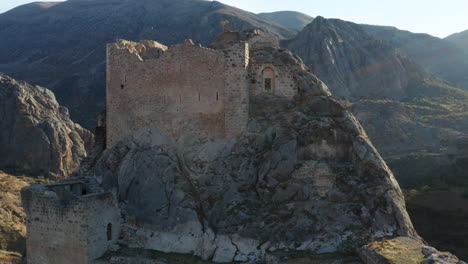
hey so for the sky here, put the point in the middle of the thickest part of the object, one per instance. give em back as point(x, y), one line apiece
point(436, 17)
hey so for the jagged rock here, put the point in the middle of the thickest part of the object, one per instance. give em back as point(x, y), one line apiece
point(37, 136)
point(305, 178)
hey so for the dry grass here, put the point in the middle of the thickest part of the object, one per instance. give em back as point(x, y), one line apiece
point(399, 251)
point(12, 226)
point(7, 257)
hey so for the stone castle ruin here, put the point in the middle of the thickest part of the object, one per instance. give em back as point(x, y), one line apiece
point(190, 88)
point(276, 164)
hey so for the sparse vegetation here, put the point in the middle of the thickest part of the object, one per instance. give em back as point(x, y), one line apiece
point(396, 251)
point(12, 228)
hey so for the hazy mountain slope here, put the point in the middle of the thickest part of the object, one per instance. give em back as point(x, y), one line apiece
point(353, 63)
point(290, 19)
point(459, 39)
point(62, 46)
point(441, 57)
point(403, 108)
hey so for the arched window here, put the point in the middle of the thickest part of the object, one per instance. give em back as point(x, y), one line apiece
point(109, 232)
point(268, 75)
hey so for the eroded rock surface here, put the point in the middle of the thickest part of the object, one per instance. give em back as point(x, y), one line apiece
point(305, 178)
point(37, 136)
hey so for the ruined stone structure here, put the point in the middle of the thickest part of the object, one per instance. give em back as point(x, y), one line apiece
point(69, 222)
point(183, 90)
point(188, 88)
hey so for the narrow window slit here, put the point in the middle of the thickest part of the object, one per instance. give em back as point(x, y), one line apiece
point(109, 232)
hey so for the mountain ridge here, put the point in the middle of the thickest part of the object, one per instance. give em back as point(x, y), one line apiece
point(290, 19)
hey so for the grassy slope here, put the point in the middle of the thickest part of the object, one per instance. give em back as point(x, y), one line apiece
point(12, 225)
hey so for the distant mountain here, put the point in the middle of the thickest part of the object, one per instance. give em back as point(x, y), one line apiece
point(404, 108)
point(442, 57)
point(290, 19)
point(459, 39)
point(62, 45)
point(353, 63)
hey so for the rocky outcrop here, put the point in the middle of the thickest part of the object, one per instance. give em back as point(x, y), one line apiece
point(37, 136)
point(304, 178)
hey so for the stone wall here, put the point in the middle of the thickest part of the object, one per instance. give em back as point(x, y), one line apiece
point(188, 89)
point(65, 226)
point(285, 85)
point(179, 90)
point(236, 88)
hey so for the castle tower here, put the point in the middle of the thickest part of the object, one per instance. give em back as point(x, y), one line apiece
point(236, 84)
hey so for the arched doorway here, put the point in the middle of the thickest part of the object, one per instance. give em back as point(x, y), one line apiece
point(269, 81)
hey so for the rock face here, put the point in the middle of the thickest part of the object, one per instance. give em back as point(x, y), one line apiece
point(37, 136)
point(305, 177)
point(73, 36)
point(290, 19)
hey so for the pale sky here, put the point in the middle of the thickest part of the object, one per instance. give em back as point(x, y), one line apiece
point(436, 17)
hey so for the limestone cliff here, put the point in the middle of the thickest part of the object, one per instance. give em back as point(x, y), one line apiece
point(305, 178)
point(37, 136)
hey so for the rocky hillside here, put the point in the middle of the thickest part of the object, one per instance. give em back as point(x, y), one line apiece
point(65, 49)
point(441, 57)
point(37, 136)
point(403, 107)
point(353, 63)
point(459, 39)
point(290, 19)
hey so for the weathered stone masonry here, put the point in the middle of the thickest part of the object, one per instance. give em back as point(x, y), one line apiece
point(189, 89)
point(69, 222)
point(183, 90)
